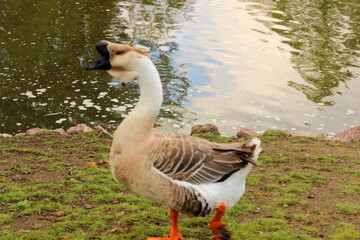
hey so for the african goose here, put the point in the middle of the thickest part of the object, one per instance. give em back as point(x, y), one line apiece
point(188, 174)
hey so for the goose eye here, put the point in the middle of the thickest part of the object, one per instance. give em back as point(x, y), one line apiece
point(119, 52)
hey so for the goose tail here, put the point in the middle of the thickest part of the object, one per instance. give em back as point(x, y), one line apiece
point(255, 146)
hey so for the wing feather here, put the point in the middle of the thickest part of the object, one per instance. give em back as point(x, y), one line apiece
point(195, 160)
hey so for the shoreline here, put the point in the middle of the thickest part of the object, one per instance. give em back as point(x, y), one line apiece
point(351, 134)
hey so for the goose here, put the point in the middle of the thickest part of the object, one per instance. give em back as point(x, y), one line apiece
point(188, 174)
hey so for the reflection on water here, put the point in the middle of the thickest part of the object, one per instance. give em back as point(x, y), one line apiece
point(45, 46)
point(257, 64)
point(265, 46)
point(325, 40)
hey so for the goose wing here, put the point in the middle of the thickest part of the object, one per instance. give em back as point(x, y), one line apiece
point(195, 160)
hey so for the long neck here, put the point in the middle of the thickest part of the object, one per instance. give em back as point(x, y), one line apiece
point(151, 96)
point(141, 120)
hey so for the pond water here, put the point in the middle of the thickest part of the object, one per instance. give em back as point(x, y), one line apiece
point(257, 64)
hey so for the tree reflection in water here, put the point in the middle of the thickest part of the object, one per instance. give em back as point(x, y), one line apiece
point(325, 39)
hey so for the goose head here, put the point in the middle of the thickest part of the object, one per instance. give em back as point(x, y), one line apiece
point(120, 60)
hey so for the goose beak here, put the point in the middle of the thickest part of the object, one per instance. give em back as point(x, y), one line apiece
point(103, 63)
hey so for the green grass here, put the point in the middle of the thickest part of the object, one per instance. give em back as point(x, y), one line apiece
point(57, 166)
point(304, 177)
point(268, 228)
point(273, 161)
point(296, 189)
point(27, 150)
point(3, 161)
point(13, 193)
point(254, 179)
point(287, 201)
point(39, 207)
point(215, 138)
point(304, 139)
point(352, 188)
point(99, 147)
point(334, 144)
point(348, 208)
point(345, 231)
point(272, 187)
point(299, 217)
point(268, 150)
point(64, 143)
point(19, 169)
point(271, 135)
point(5, 218)
point(347, 170)
point(322, 158)
point(86, 203)
point(325, 168)
point(244, 207)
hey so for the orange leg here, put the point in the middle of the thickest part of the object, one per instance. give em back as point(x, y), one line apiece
point(174, 232)
point(217, 227)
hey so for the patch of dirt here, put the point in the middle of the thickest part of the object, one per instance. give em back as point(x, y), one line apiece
point(25, 223)
point(27, 152)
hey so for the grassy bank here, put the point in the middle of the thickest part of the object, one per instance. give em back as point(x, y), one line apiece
point(59, 187)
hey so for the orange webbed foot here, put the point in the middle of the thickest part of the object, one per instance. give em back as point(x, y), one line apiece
point(174, 232)
point(217, 227)
point(169, 238)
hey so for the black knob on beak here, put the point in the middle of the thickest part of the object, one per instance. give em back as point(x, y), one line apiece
point(103, 63)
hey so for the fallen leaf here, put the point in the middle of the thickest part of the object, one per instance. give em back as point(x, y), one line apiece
point(59, 213)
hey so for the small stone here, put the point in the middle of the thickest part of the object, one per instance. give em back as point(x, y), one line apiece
point(59, 130)
point(246, 132)
point(5, 135)
point(88, 206)
point(99, 128)
point(59, 213)
point(34, 131)
point(352, 134)
point(80, 128)
point(20, 134)
point(205, 128)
